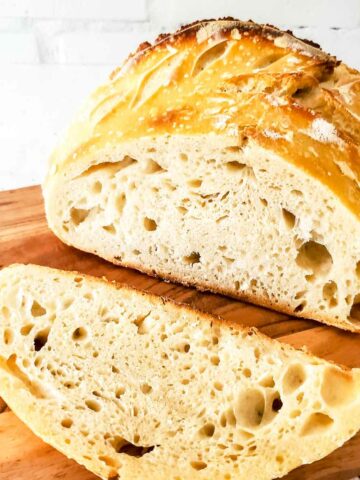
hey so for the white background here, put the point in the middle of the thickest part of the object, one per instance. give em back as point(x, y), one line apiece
point(53, 52)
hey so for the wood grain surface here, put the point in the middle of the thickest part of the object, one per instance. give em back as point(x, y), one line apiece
point(25, 238)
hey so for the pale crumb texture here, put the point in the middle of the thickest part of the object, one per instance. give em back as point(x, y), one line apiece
point(134, 387)
point(226, 157)
point(234, 220)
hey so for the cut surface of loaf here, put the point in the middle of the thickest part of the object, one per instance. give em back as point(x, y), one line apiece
point(136, 387)
point(225, 156)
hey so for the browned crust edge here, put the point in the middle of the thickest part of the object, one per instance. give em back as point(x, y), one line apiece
point(266, 31)
point(253, 299)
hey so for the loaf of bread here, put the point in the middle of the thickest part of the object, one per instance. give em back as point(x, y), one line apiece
point(136, 387)
point(225, 156)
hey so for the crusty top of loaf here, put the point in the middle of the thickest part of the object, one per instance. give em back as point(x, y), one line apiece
point(241, 80)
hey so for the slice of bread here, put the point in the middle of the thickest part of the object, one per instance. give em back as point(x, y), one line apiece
point(136, 387)
point(225, 156)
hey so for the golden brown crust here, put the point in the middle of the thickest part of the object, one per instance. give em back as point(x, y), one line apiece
point(231, 78)
point(266, 31)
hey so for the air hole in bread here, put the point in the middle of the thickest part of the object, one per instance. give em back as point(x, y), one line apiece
point(277, 403)
point(357, 269)
point(183, 157)
point(249, 408)
point(194, 257)
point(215, 360)
point(182, 210)
point(97, 187)
point(233, 149)
point(330, 290)
point(222, 218)
point(238, 447)
point(299, 308)
point(38, 361)
point(228, 418)
point(209, 56)
point(183, 347)
point(338, 387)
point(135, 450)
point(264, 202)
point(289, 219)
point(296, 193)
point(149, 224)
point(267, 382)
point(67, 302)
point(79, 334)
point(153, 167)
point(34, 387)
point(119, 391)
point(120, 202)
point(314, 256)
point(111, 167)
point(5, 312)
point(110, 462)
point(247, 372)
point(295, 414)
point(300, 294)
point(146, 388)
point(294, 377)
point(195, 183)
point(354, 316)
point(198, 465)
point(37, 310)
point(26, 362)
point(300, 397)
point(69, 385)
point(207, 430)
point(67, 423)
point(228, 260)
point(235, 166)
point(93, 405)
point(109, 228)
point(218, 386)
point(348, 299)
point(78, 215)
point(41, 339)
point(317, 423)
point(142, 323)
point(8, 336)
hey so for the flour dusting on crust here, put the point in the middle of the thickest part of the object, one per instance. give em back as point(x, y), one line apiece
point(323, 131)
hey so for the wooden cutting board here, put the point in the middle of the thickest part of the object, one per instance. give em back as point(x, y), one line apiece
point(25, 238)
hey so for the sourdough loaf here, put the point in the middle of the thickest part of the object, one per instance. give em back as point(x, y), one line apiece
point(225, 156)
point(136, 387)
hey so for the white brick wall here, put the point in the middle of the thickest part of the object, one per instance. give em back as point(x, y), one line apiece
point(134, 10)
point(314, 13)
point(53, 52)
